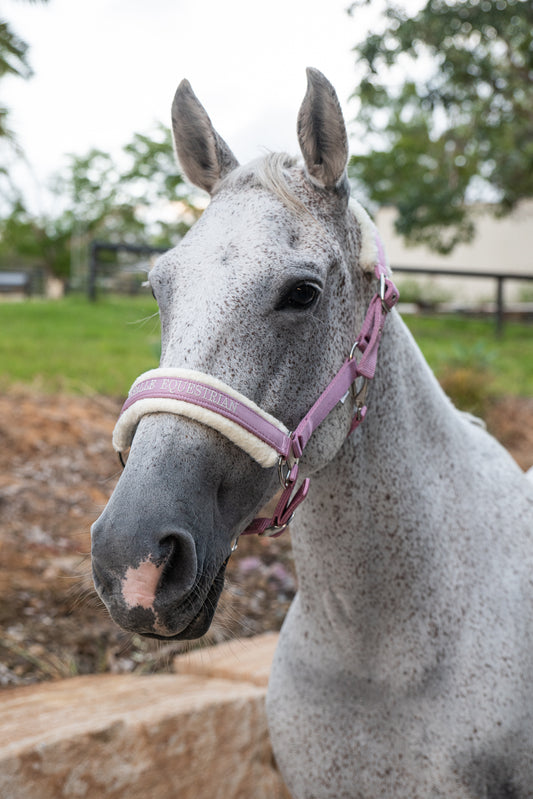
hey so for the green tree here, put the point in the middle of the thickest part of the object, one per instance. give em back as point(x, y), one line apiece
point(137, 198)
point(461, 121)
point(13, 61)
point(126, 198)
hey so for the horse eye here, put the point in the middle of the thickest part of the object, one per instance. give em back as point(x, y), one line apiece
point(301, 296)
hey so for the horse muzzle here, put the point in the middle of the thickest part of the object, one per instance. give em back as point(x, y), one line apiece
point(160, 547)
point(164, 594)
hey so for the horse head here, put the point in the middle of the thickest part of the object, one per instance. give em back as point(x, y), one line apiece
point(264, 293)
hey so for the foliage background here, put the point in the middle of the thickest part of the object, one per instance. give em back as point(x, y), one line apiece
point(446, 97)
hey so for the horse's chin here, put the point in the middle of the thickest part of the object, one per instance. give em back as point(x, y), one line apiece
point(199, 625)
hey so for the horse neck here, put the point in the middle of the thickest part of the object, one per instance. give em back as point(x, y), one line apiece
point(366, 539)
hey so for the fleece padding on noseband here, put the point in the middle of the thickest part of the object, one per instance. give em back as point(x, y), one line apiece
point(145, 397)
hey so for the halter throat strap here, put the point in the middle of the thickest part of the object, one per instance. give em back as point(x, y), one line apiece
point(210, 401)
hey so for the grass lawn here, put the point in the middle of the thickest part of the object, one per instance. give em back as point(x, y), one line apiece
point(78, 347)
point(454, 343)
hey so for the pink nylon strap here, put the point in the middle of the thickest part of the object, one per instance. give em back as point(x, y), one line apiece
point(333, 394)
point(367, 343)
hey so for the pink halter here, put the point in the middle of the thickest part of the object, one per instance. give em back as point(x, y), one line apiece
point(215, 398)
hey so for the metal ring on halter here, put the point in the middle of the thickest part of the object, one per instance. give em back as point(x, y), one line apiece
point(360, 396)
point(382, 289)
point(284, 478)
point(352, 351)
point(276, 529)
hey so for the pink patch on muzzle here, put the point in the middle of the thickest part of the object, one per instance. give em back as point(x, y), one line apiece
point(140, 584)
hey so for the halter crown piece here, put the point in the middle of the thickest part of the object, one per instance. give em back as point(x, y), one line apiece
point(210, 401)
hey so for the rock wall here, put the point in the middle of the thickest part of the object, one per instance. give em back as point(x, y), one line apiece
point(191, 734)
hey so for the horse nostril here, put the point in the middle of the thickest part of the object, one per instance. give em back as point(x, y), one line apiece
point(178, 553)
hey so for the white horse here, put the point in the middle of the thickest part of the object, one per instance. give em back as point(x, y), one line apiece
point(405, 665)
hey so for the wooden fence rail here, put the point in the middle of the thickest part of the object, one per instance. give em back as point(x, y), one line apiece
point(499, 277)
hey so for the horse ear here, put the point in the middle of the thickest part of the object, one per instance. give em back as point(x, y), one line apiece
point(203, 155)
point(322, 132)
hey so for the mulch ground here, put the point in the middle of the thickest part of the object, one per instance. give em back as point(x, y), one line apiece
point(57, 470)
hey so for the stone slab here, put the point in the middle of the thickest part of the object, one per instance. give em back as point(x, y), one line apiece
point(156, 737)
point(243, 659)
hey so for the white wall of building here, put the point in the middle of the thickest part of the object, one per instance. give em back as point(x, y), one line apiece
point(501, 244)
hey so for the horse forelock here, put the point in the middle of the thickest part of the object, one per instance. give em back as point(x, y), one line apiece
point(272, 173)
point(269, 172)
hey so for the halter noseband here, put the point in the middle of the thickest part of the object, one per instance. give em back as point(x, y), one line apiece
point(208, 400)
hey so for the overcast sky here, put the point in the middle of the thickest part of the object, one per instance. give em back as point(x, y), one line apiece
point(105, 69)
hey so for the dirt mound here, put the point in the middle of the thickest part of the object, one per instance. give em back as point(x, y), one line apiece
point(57, 470)
point(511, 421)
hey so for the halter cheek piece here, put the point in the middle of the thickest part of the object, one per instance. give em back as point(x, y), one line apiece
point(210, 401)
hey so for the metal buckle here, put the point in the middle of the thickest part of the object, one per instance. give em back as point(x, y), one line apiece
point(382, 286)
point(358, 395)
point(359, 398)
point(382, 291)
point(352, 351)
point(283, 464)
point(351, 389)
point(276, 529)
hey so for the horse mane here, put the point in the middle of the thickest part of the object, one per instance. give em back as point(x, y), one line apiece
point(270, 173)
